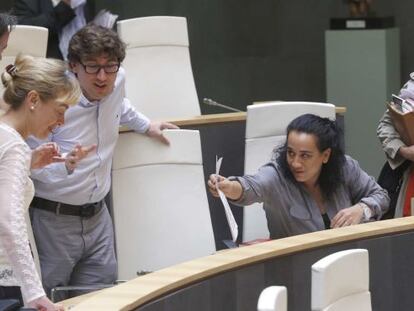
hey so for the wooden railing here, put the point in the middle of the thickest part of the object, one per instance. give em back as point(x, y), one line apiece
point(221, 118)
point(285, 261)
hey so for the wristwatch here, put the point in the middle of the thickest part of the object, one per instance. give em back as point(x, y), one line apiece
point(367, 213)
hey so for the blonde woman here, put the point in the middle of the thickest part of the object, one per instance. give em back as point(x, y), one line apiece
point(38, 92)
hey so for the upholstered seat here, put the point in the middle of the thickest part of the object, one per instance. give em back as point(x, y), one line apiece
point(340, 282)
point(18, 43)
point(273, 298)
point(160, 205)
point(159, 77)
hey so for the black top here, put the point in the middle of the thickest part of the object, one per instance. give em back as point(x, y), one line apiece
point(326, 221)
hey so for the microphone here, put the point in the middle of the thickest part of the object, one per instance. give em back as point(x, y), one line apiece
point(211, 102)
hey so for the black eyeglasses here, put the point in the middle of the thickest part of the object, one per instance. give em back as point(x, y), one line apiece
point(94, 69)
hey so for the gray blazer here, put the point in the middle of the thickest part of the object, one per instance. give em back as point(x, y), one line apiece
point(290, 210)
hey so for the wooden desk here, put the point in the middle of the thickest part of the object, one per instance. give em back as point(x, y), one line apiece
point(232, 280)
point(220, 118)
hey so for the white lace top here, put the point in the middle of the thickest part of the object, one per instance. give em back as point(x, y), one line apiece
point(17, 267)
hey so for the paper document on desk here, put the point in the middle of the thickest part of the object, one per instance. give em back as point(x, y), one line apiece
point(229, 214)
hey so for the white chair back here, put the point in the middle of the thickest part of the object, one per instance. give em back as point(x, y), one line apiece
point(340, 282)
point(160, 206)
point(23, 39)
point(273, 298)
point(18, 43)
point(159, 79)
point(266, 128)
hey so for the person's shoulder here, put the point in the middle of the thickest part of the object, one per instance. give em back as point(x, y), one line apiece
point(272, 166)
point(9, 135)
point(14, 146)
point(351, 166)
point(350, 160)
point(272, 170)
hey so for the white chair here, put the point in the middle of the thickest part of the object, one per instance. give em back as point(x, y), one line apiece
point(159, 77)
point(23, 39)
point(340, 282)
point(273, 298)
point(160, 205)
point(266, 128)
point(18, 43)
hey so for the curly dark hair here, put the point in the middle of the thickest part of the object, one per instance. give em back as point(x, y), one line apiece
point(327, 134)
point(94, 41)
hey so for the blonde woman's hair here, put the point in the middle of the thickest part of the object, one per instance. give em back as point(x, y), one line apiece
point(50, 78)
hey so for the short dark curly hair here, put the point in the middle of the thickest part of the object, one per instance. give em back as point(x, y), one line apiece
point(94, 41)
point(327, 135)
point(7, 22)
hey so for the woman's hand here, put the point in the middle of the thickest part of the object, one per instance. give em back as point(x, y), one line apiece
point(348, 216)
point(45, 154)
point(231, 188)
point(44, 304)
point(155, 131)
point(77, 154)
point(407, 152)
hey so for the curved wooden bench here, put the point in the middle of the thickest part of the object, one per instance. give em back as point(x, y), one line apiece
point(232, 279)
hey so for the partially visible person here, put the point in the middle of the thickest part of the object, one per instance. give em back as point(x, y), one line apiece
point(61, 17)
point(397, 174)
point(38, 92)
point(71, 222)
point(310, 185)
point(7, 23)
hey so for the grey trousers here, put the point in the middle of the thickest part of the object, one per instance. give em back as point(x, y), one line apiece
point(74, 250)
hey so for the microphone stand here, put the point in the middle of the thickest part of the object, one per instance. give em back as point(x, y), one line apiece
point(211, 102)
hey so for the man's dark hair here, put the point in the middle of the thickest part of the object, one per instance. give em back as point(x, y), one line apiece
point(7, 23)
point(93, 41)
point(327, 135)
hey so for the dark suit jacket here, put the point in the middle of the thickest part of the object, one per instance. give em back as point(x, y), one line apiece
point(42, 13)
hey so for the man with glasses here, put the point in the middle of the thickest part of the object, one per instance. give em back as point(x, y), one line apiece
point(72, 226)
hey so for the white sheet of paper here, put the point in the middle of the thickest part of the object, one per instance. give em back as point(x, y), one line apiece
point(234, 229)
point(105, 19)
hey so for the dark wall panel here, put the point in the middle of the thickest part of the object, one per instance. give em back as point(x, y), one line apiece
point(243, 51)
point(247, 50)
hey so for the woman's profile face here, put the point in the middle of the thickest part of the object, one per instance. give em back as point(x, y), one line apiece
point(304, 158)
point(48, 115)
